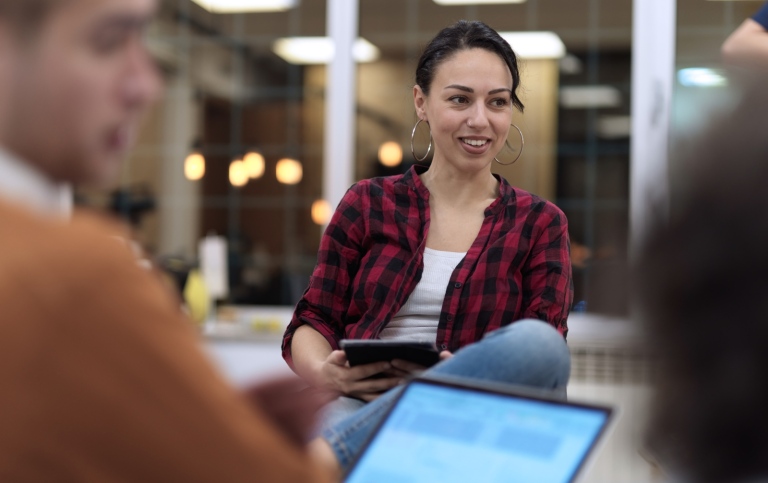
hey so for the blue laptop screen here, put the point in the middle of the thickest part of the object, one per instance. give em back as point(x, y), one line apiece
point(452, 434)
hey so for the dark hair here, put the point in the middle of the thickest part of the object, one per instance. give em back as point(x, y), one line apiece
point(25, 16)
point(465, 35)
point(702, 282)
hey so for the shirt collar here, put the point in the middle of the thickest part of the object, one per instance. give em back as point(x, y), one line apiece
point(25, 185)
point(506, 191)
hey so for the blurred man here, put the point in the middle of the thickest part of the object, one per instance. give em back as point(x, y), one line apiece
point(102, 379)
point(747, 46)
point(703, 294)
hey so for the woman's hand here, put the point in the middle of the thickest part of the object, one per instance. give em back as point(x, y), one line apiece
point(337, 375)
point(403, 369)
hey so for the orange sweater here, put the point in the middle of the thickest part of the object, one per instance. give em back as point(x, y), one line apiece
point(103, 380)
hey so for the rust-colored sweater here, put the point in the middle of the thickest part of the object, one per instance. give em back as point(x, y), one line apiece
point(102, 379)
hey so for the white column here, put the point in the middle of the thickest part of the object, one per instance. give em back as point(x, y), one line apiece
point(653, 75)
point(339, 138)
point(179, 206)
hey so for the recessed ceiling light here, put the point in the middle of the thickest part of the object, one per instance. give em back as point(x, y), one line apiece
point(535, 45)
point(701, 77)
point(239, 6)
point(475, 2)
point(319, 50)
point(583, 97)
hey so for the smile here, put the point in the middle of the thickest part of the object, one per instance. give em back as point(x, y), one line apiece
point(475, 142)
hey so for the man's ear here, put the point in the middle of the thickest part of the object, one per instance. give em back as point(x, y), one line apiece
point(419, 102)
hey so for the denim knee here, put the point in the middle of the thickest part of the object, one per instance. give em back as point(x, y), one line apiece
point(526, 352)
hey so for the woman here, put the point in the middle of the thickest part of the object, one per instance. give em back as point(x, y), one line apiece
point(449, 252)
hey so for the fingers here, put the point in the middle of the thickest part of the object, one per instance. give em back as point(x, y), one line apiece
point(367, 370)
point(338, 358)
point(445, 355)
point(369, 397)
point(374, 385)
point(408, 367)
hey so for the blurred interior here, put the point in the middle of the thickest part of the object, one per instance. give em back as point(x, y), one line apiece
point(228, 94)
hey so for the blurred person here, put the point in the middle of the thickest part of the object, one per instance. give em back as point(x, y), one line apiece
point(747, 46)
point(448, 253)
point(702, 285)
point(102, 378)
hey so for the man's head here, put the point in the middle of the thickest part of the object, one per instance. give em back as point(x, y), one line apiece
point(702, 287)
point(75, 79)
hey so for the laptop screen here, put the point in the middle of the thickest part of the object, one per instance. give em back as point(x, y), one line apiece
point(449, 433)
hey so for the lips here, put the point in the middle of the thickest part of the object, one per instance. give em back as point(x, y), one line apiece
point(120, 138)
point(475, 145)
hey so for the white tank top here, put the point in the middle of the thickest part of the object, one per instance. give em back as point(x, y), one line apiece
point(417, 319)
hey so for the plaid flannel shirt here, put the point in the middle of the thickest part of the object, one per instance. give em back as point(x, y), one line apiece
point(371, 258)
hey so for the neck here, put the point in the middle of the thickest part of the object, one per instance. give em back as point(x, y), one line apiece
point(460, 188)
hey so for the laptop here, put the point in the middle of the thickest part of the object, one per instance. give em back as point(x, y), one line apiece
point(453, 430)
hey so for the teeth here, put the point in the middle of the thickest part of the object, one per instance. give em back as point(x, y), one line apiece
point(475, 142)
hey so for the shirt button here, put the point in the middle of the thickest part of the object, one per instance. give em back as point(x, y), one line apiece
point(457, 285)
point(449, 317)
point(443, 346)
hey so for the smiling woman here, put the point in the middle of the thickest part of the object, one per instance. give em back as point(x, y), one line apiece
point(446, 253)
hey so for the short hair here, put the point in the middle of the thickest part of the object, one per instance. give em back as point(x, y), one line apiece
point(25, 16)
point(702, 282)
point(464, 35)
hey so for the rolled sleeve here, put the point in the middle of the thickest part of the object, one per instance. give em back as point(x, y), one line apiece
point(547, 281)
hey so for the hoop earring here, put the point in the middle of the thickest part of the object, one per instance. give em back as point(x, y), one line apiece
point(429, 148)
point(506, 143)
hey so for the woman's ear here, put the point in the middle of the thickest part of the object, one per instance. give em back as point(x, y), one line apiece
point(419, 101)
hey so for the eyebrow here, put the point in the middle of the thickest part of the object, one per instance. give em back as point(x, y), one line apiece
point(122, 23)
point(470, 90)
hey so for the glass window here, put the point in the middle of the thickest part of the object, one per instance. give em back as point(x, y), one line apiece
point(228, 94)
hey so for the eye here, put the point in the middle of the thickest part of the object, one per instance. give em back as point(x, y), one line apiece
point(107, 41)
point(458, 99)
point(499, 102)
point(108, 44)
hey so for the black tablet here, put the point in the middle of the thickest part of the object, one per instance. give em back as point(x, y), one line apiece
point(375, 350)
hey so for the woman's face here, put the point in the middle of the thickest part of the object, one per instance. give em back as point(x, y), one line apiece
point(469, 108)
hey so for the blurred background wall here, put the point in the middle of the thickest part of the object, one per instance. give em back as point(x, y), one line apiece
point(229, 94)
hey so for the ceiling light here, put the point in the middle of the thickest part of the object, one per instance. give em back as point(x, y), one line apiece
point(321, 212)
point(289, 171)
point(701, 77)
point(583, 97)
point(194, 166)
point(239, 6)
point(475, 2)
point(535, 45)
point(614, 127)
point(390, 154)
point(319, 50)
point(238, 175)
point(254, 164)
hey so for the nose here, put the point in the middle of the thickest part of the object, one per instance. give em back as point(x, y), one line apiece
point(142, 83)
point(477, 117)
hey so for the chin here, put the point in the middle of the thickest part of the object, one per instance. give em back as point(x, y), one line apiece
point(102, 173)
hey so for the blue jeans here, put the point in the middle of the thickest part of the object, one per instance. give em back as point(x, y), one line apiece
point(526, 353)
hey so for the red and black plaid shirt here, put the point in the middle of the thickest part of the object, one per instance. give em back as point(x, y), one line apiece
point(371, 258)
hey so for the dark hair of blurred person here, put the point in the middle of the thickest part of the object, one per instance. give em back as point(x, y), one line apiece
point(702, 280)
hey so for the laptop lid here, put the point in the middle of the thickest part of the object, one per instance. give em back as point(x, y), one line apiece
point(454, 431)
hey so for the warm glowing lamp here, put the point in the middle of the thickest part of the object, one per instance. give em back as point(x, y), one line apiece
point(321, 212)
point(390, 154)
point(194, 167)
point(254, 164)
point(238, 175)
point(289, 171)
